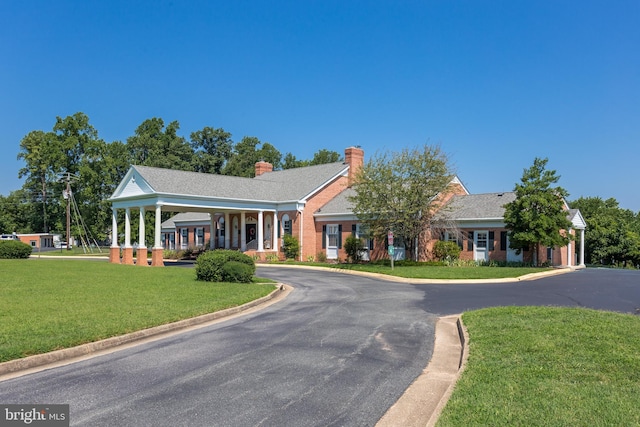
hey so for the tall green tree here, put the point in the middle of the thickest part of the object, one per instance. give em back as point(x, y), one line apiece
point(18, 213)
point(613, 233)
point(247, 153)
point(397, 191)
point(537, 217)
point(320, 157)
point(212, 149)
point(43, 159)
point(154, 145)
point(324, 156)
point(77, 138)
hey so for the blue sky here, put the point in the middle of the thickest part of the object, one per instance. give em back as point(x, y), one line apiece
point(494, 83)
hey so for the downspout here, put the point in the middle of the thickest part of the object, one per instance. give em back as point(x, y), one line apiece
point(301, 235)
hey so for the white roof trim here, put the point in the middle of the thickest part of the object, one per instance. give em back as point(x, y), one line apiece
point(578, 221)
point(343, 172)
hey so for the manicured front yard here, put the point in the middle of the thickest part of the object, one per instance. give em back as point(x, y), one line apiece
point(541, 366)
point(52, 304)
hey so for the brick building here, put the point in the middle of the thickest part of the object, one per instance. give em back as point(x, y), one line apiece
point(310, 203)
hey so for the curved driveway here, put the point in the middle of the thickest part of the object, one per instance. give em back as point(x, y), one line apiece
point(340, 350)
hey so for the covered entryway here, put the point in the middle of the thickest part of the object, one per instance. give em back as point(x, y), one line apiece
point(150, 189)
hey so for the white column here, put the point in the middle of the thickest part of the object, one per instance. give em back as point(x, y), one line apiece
point(212, 232)
point(243, 231)
point(260, 232)
point(582, 248)
point(227, 231)
point(276, 228)
point(157, 244)
point(141, 230)
point(114, 228)
point(127, 228)
point(569, 253)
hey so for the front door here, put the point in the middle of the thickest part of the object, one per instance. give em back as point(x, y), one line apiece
point(251, 230)
point(481, 246)
point(332, 241)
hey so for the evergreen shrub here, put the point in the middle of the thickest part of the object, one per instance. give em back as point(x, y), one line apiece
point(14, 249)
point(210, 264)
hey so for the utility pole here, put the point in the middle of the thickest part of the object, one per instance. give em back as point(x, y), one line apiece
point(67, 196)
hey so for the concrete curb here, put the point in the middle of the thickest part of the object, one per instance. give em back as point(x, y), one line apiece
point(526, 277)
point(39, 362)
point(422, 403)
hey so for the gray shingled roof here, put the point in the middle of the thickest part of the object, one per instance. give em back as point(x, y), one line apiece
point(185, 217)
point(297, 183)
point(478, 206)
point(339, 205)
point(286, 185)
point(471, 206)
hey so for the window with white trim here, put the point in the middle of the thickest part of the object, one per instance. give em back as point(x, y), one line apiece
point(199, 236)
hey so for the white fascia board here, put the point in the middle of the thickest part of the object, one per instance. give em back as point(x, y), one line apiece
point(578, 221)
point(189, 223)
point(290, 206)
point(123, 183)
point(457, 180)
point(335, 217)
point(480, 223)
point(343, 172)
point(132, 185)
point(196, 203)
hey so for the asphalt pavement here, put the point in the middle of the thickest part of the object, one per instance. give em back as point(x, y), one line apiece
point(339, 350)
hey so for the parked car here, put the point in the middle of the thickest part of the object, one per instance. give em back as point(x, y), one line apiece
point(8, 237)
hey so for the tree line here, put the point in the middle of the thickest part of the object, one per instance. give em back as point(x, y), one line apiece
point(402, 183)
point(73, 150)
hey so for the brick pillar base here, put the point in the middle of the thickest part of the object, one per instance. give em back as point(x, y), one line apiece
point(141, 258)
point(156, 257)
point(114, 255)
point(127, 256)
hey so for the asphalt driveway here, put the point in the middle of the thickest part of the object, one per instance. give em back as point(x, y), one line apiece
point(340, 350)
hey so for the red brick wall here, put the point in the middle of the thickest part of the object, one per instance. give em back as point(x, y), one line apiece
point(312, 231)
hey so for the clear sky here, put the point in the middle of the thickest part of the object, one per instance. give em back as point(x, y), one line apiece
point(494, 83)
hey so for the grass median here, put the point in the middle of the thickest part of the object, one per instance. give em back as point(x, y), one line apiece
point(54, 304)
point(441, 272)
point(541, 366)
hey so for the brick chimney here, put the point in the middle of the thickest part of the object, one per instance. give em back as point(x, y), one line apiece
point(263, 167)
point(354, 157)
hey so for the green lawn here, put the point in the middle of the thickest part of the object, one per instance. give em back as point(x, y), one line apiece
point(443, 272)
point(535, 366)
point(52, 304)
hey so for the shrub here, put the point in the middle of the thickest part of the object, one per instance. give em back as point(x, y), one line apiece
point(235, 271)
point(13, 249)
point(209, 265)
point(446, 250)
point(353, 246)
point(322, 257)
point(290, 246)
point(272, 258)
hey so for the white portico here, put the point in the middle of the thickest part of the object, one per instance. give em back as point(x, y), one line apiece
point(162, 190)
point(254, 211)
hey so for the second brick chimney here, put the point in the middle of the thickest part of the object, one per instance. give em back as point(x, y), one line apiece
point(263, 167)
point(354, 157)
